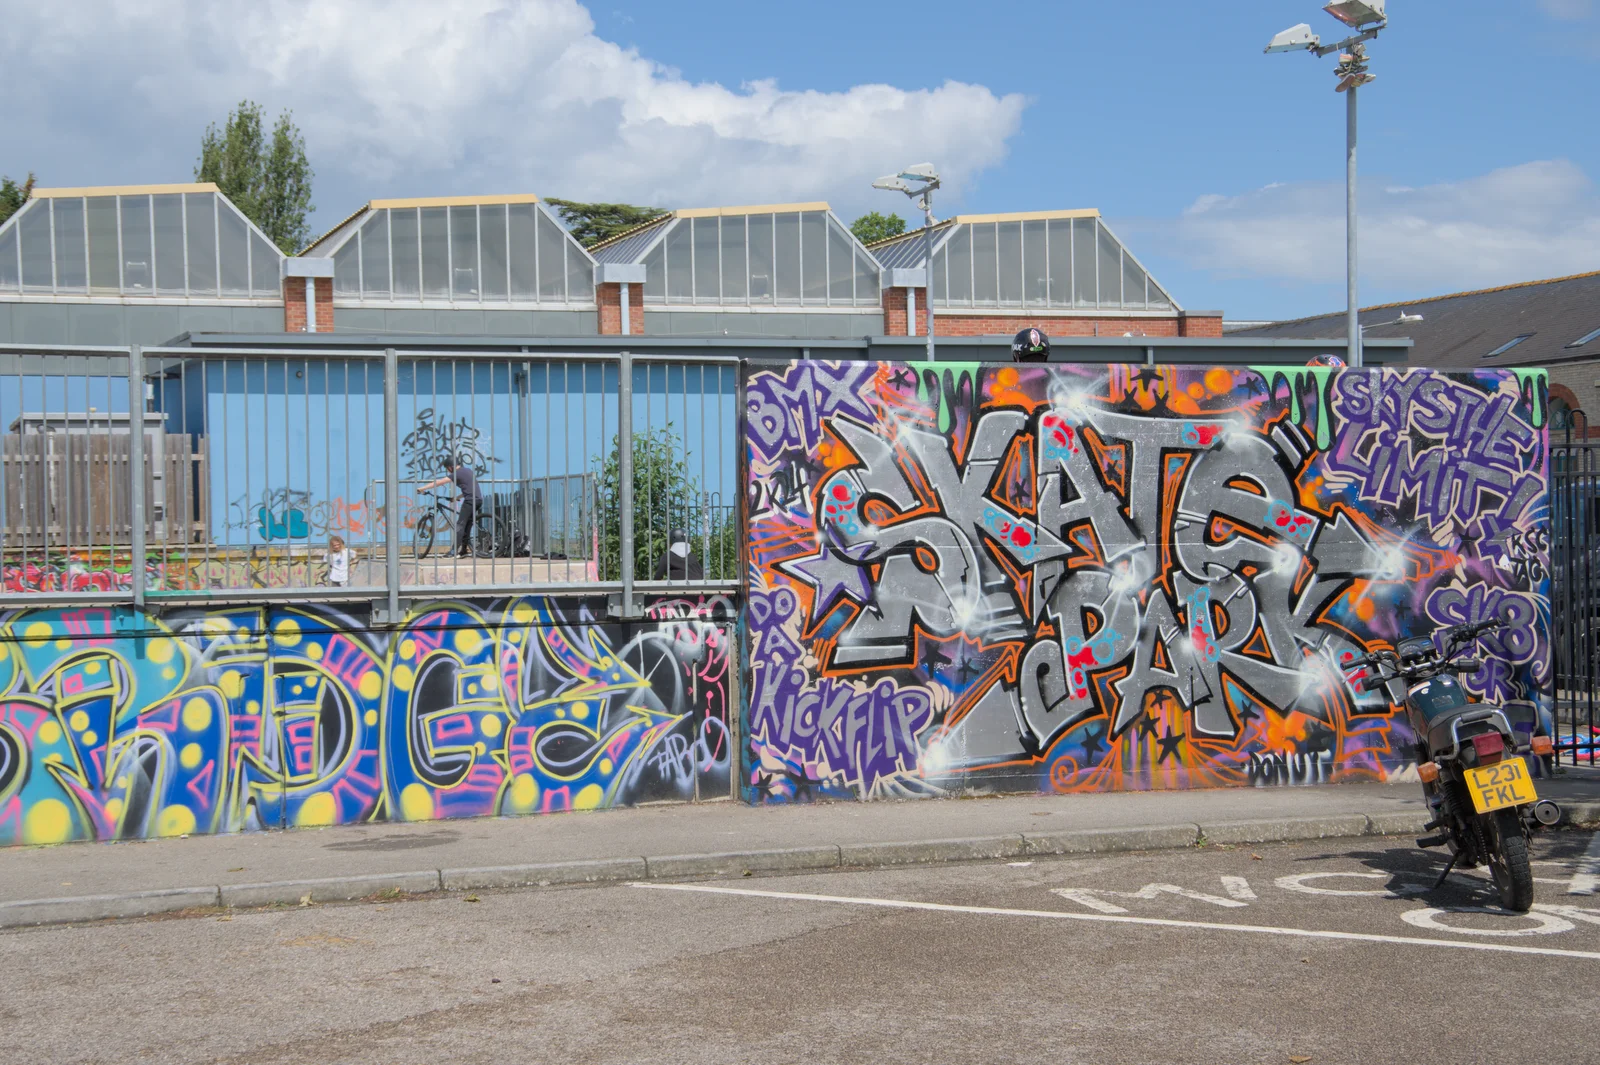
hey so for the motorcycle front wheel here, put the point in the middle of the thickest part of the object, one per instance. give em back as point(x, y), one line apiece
point(1508, 861)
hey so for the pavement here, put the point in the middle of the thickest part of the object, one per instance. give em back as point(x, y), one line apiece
point(1322, 951)
point(93, 881)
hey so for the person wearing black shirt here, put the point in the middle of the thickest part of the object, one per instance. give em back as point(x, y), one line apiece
point(679, 562)
point(466, 482)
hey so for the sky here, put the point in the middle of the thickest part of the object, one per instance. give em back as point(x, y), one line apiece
point(1221, 168)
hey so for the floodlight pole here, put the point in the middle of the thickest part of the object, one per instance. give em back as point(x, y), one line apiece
point(927, 263)
point(1352, 313)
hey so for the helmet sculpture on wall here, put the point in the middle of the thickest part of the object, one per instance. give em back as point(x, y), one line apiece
point(1030, 345)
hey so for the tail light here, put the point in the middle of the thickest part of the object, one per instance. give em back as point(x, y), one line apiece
point(1490, 747)
point(1428, 771)
point(1543, 746)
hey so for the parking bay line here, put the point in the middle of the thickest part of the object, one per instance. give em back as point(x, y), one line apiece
point(1107, 918)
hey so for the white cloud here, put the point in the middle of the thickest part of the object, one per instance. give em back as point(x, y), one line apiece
point(414, 97)
point(1540, 219)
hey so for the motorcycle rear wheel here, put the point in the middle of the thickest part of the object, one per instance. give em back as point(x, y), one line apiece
point(1508, 862)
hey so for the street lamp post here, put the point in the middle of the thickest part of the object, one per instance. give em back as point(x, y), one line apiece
point(1404, 319)
point(918, 182)
point(1367, 18)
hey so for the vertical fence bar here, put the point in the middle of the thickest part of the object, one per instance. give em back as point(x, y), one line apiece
point(136, 497)
point(391, 479)
point(625, 476)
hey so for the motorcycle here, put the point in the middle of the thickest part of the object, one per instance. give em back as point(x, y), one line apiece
point(1474, 771)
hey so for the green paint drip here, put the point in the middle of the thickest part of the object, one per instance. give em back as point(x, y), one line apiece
point(954, 375)
point(1296, 378)
point(1534, 382)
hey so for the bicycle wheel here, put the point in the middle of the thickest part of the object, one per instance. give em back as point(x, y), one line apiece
point(487, 535)
point(422, 535)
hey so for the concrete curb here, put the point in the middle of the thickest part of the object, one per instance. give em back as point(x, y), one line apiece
point(740, 863)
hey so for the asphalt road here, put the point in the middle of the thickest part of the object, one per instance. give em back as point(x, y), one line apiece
point(1176, 956)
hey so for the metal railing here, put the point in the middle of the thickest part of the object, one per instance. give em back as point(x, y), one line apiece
point(258, 465)
point(1575, 598)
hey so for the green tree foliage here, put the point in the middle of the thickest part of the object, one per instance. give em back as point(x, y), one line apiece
point(665, 497)
point(873, 226)
point(270, 181)
point(13, 196)
point(591, 223)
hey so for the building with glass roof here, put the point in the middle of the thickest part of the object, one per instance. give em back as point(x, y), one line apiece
point(149, 263)
point(789, 269)
point(996, 273)
point(103, 265)
point(489, 264)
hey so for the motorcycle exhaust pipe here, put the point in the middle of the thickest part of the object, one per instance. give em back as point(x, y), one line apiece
point(1546, 812)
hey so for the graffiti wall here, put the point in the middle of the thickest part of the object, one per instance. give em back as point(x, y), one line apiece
point(225, 720)
point(1076, 578)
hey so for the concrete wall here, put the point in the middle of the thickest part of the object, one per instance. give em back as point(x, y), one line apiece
point(1080, 578)
point(116, 324)
point(664, 322)
point(225, 720)
point(463, 322)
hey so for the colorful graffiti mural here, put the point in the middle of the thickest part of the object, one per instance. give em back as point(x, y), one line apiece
point(225, 720)
point(1085, 577)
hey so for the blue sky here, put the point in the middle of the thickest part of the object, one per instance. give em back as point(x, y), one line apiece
point(1220, 166)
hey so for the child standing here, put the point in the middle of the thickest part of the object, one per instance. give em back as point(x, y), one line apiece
point(338, 560)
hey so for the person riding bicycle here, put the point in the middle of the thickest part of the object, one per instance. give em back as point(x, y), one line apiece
point(466, 482)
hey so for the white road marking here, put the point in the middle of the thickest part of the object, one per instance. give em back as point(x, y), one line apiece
point(1089, 896)
point(1238, 887)
point(1576, 913)
point(1301, 882)
point(1586, 881)
point(1547, 923)
point(1106, 918)
point(1018, 865)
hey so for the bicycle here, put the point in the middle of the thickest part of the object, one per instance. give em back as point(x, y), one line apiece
point(443, 514)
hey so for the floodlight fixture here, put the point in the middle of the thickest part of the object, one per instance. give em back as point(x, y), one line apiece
point(1356, 14)
point(1366, 17)
point(891, 183)
point(1293, 39)
point(920, 172)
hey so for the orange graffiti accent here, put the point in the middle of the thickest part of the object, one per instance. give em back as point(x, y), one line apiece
point(1004, 392)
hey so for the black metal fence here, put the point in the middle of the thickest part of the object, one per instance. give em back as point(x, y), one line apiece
point(1575, 597)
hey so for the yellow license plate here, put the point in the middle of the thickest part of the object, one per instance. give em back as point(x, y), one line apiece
point(1503, 784)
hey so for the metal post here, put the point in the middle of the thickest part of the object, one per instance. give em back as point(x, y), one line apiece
point(927, 260)
point(911, 310)
point(136, 499)
point(625, 476)
point(625, 324)
point(1352, 315)
point(391, 479)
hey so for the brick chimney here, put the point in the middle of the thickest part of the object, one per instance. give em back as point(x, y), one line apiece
point(619, 298)
point(302, 277)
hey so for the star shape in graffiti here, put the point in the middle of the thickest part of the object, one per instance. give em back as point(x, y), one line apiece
point(967, 669)
point(1246, 715)
point(1169, 746)
point(1092, 745)
point(1146, 726)
point(832, 572)
point(1253, 385)
point(904, 378)
point(1148, 376)
point(933, 658)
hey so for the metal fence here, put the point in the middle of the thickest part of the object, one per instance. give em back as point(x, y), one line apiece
point(1575, 597)
point(265, 474)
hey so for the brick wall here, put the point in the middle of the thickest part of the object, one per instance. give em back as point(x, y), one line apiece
point(1198, 326)
point(608, 301)
point(294, 304)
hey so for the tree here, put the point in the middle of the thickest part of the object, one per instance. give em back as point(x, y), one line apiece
point(665, 497)
point(13, 196)
point(269, 182)
point(873, 226)
point(590, 223)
